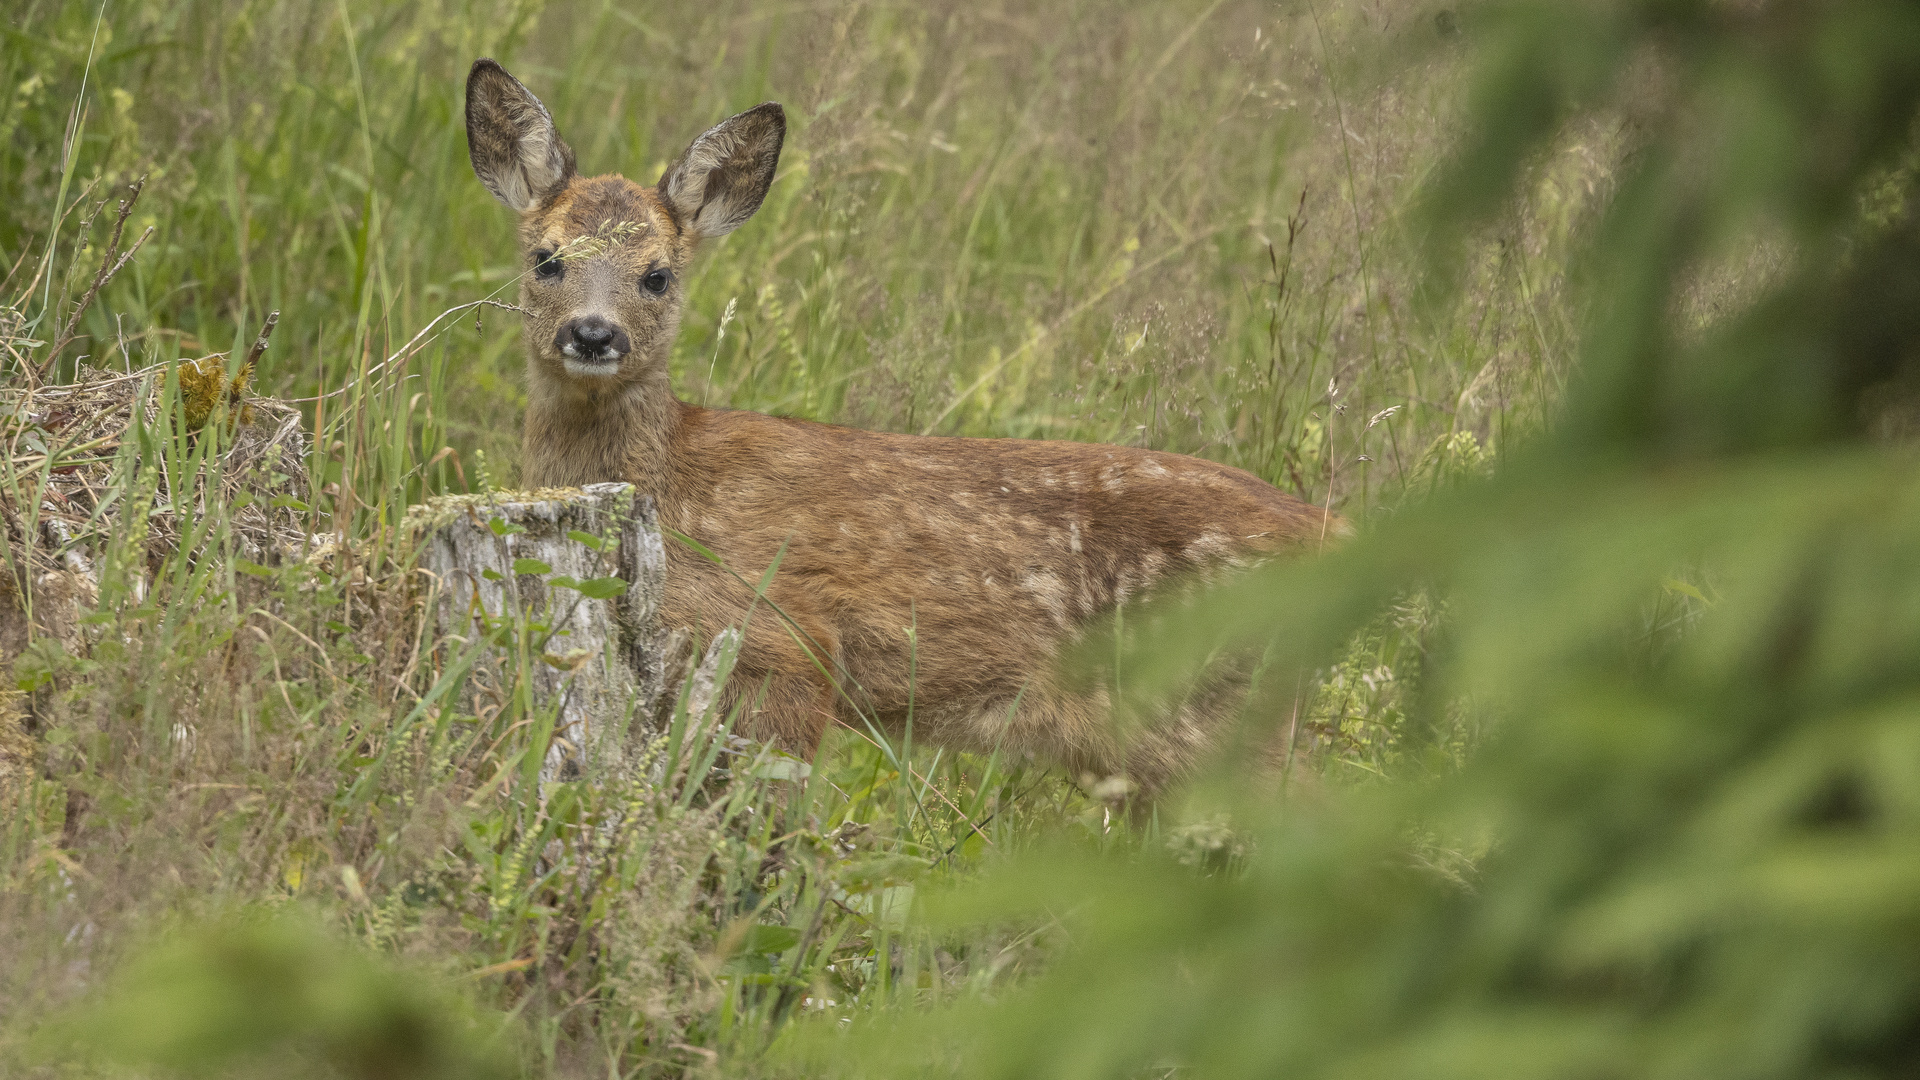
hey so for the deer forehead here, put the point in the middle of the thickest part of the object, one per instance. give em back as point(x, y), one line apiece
point(610, 212)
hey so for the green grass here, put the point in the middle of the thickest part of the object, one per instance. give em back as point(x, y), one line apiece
point(1186, 226)
point(1037, 222)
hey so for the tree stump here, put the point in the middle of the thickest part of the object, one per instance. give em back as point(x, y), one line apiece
point(575, 576)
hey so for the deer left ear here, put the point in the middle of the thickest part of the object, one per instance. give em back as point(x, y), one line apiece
point(723, 177)
point(510, 136)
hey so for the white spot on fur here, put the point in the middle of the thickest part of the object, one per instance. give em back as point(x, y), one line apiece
point(1208, 546)
point(1154, 470)
point(1046, 587)
point(1139, 577)
point(1073, 537)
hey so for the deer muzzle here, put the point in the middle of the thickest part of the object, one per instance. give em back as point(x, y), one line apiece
point(591, 345)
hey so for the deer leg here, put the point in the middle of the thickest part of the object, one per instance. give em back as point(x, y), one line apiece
point(790, 699)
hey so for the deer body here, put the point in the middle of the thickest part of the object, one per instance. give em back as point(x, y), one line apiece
point(941, 577)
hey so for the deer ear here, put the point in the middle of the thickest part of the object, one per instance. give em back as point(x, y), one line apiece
point(722, 178)
point(516, 151)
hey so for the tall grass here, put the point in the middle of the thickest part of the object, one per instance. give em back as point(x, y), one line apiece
point(1172, 227)
point(1184, 226)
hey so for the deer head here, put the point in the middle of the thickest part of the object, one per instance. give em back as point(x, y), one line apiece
point(603, 257)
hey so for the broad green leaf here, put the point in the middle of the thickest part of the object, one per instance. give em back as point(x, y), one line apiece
point(603, 588)
point(592, 542)
point(770, 939)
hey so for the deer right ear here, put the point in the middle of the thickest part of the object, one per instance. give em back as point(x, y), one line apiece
point(510, 136)
point(722, 178)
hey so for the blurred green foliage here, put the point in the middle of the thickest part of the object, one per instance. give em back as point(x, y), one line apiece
point(275, 995)
point(1690, 612)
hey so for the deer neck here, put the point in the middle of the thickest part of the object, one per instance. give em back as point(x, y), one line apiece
point(575, 436)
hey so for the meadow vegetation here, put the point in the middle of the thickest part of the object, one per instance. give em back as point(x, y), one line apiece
point(1610, 358)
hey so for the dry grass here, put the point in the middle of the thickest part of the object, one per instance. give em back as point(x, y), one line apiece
point(74, 433)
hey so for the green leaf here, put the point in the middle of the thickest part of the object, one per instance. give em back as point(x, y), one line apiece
point(592, 542)
point(564, 581)
point(883, 871)
point(704, 551)
point(770, 939)
point(748, 968)
point(531, 566)
point(36, 665)
point(892, 905)
point(503, 527)
point(1674, 585)
point(252, 568)
point(603, 588)
point(490, 574)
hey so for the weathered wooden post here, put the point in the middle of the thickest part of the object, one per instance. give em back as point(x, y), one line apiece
point(579, 571)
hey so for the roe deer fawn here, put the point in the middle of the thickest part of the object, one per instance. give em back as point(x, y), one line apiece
point(994, 554)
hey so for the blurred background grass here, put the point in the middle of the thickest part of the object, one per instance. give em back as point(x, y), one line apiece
point(1177, 225)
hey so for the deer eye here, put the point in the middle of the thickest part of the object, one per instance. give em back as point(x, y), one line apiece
point(656, 281)
point(545, 266)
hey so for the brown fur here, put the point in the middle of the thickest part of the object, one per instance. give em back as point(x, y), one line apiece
point(997, 553)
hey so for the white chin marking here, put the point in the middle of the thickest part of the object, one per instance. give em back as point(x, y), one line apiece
point(592, 369)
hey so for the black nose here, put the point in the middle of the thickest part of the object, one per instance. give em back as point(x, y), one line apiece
point(591, 338)
point(592, 335)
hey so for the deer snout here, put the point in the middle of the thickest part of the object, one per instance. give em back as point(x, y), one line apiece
point(591, 342)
